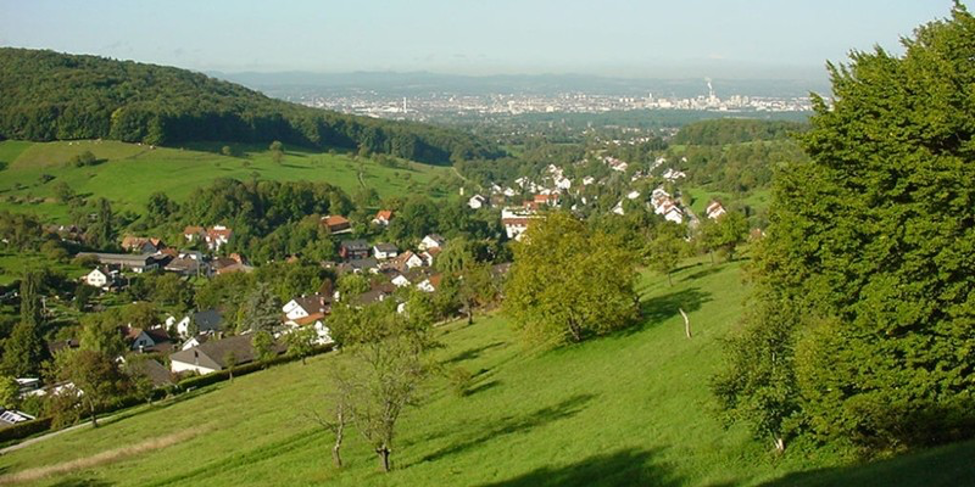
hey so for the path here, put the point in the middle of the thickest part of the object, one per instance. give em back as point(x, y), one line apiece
point(31, 441)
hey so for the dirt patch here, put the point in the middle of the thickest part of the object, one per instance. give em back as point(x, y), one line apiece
point(109, 456)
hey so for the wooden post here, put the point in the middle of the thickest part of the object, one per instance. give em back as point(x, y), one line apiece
point(688, 328)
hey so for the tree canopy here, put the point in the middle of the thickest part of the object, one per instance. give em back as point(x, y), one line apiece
point(862, 326)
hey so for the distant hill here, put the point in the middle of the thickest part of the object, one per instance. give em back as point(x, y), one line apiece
point(47, 96)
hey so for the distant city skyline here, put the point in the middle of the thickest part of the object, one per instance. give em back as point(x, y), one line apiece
point(733, 39)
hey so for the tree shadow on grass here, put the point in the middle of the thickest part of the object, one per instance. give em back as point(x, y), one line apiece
point(514, 425)
point(473, 353)
point(482, 387)
point(708, 271)
point(659, 309)
point(623, 467)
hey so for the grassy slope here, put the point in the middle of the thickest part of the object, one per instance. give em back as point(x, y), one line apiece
point(133, 172)
point(630, 409)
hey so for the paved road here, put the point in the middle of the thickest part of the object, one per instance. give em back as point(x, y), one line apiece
point(31, 441)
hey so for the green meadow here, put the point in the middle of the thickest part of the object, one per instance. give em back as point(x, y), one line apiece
point(632, 408)
point(129, 173)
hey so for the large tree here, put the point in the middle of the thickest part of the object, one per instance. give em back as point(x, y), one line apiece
point(24, 349)
point(568, 282)
point(868, 269)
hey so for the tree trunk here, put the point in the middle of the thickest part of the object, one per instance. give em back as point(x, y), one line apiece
point(340, 426)
point(575, 331)
point(336, 459)
point(94, 416)
point(712, 256)
point(778, 443)
point(688, 327)
point(669, 276)
point(383, 454)
point(468, 306)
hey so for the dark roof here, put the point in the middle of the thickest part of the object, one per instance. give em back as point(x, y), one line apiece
point(355, 244)
point(207, 320)
point(212, 353)
point(386, 247)
point(367, 263)
point(313, 304)
point(151, 369)
point(369, 297)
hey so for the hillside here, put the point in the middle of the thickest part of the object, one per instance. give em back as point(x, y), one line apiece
point(47, 96)
point(129, 173)
point(630, 409)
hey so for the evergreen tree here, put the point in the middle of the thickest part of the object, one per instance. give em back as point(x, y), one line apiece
point(24, 350)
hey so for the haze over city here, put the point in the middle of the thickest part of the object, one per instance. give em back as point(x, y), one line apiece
point(738, 39)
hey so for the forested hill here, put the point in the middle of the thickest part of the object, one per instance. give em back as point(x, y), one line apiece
point(46, 96)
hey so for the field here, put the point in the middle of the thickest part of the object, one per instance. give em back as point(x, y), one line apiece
point(632, 408)
point(129, 173)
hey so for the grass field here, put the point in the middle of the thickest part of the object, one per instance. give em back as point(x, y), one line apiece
point(629, 409)
point(129, 173)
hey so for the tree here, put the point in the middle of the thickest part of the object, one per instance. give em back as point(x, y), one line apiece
point(476, 287)
point(230, 361)
point(260, 311)
point(227, 151)
point(301, 342)
point(664, 252)
point(86, 158)
point(277, 151)
point(866, 276)
point(96, 378)
point(102, 231)
point(9, 392)
point(160, 208)
point(63, 192)
point(24, 350)
point(383, 379)
point(567, 282)
point(100, 333)
point(264, 346)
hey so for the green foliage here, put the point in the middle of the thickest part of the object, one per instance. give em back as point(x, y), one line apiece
point(86, 158)
point(301, 342)
point(155, 105)
point(664, 252)
point(101, 233)
point(24, 350)
point(567, 282)
point(100, 333)
point(260, 311)
point(725, 131)
point(94, 373)
point(867, 275)
point(264, 346)
point(9, 392)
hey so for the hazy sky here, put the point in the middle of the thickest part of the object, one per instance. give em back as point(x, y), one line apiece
point(740, 38)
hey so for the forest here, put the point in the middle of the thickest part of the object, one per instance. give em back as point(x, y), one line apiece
point(53, 96)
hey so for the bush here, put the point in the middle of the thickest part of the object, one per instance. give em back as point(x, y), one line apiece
point(25, 429)
point(460, 380)
point(84, 159)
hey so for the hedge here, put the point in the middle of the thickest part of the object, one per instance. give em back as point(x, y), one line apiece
point(25, 429)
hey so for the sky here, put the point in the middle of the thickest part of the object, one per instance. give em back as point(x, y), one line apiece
point(641, 39)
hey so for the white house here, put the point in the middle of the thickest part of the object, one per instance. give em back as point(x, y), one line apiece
point(673, 175)
point(673, 214)
point(618, 208)
point(400, 281)
point(516, 221)
point(96, 278)
point(715, 210)
point(431, 241)
point(217, 236)
point(477, 201)
point(305, 306)
point(634, 195)
point(384, 251)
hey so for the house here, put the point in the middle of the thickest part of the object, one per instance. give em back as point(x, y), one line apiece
point(317, 322)
point(384, 251)
point(152, 371)
point(136, 263)
point(673, 214)
point(516, 221)
point(400, 280)
point(383, 217)
point(430, 255)
point(477, 201)
point(336, 224)
point(96, 278)
point(202, 322)
point(187, 264)
point(213, 355)
point(217, 236)
point(552, 199)
point(406, 261)
point(10, 417)
point(305, 306)
point(715, 210)
point(354, 249)
point(673, 175)
point(195, 341)
point(193, 233)
point(430, 284)
point(431, 241)
point(151, 340)
point(142, 245)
